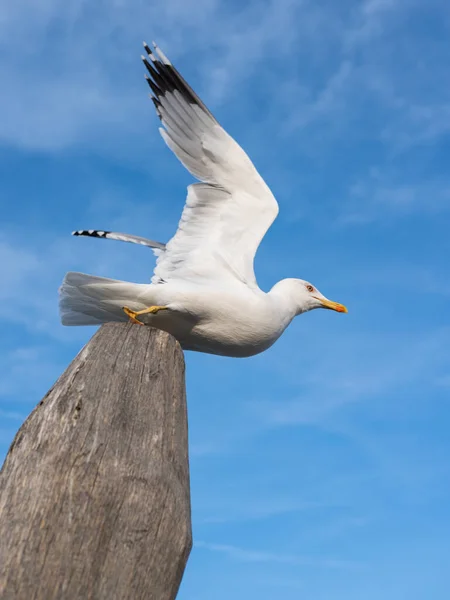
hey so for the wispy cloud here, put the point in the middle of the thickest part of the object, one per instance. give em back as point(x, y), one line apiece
point(12, 415)
point(23, 373)
point(368, 367)
point(381, 195)
point(94, 93)
point(83, 92)
point(330, 393)
point(242, 506)
point(245, 555)
point(94, 90)
point(360, 90)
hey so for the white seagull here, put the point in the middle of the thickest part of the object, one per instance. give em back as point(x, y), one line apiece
point(203, 290)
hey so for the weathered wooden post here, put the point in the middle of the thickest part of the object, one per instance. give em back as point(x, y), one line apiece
point(94, 492)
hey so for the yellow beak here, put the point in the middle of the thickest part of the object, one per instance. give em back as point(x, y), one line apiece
point(333, 305)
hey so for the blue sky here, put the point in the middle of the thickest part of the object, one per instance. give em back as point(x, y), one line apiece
point(320, 468)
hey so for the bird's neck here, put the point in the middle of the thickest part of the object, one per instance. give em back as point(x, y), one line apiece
point(283, 296)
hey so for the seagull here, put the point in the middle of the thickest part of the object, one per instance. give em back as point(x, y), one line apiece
point(203, 290)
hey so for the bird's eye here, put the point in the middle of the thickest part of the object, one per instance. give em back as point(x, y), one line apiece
point(310, 288)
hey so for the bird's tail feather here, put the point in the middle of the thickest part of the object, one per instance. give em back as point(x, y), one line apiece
point(90, 300)
point(157, 247)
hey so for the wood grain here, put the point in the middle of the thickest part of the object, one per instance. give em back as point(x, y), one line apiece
point(94, 492)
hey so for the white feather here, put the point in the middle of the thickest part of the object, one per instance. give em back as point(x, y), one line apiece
point(226, 217)
point(90, 300)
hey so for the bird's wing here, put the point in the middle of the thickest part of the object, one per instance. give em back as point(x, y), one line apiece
point(225, 216)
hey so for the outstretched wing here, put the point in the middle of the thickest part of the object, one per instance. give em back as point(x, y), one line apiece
point(225, 216)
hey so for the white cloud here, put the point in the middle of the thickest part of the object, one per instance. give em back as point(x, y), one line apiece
point(12, 415)
point(66, 68)
point(383, 82)
point(73, 72)
point(73, 77)
point(249, 556)
point(417, 124)
point(370, 366)
point(244, 503)
point(16, 264)
point(23, 373)
point(384, 195)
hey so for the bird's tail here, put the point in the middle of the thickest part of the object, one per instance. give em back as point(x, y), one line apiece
point(90, 300)
point(157, 247)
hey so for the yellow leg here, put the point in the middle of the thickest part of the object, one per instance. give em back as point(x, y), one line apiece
point(131, 314)
point(150, 310)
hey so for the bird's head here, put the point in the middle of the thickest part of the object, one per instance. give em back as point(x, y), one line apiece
point(304, 296)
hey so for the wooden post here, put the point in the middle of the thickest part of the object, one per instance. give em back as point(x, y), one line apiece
point(94, 492)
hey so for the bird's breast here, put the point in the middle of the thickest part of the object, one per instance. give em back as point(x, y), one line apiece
point(229, 324)
point(234, 329)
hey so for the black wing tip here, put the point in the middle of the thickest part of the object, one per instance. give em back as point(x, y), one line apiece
point(164, 78)
point(98, 233)
point(149, 52)
point(155, 89)
point(145, 61)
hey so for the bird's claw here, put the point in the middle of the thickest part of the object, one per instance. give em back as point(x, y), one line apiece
point(132, 315)
point(152, 310)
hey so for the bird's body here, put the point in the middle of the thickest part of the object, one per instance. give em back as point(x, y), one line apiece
point(203, 290)
point(238, 322)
